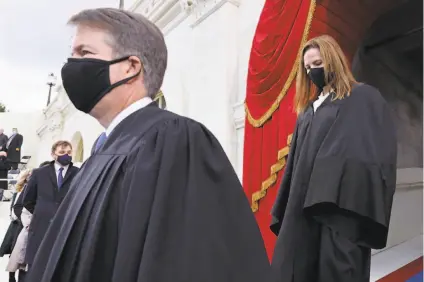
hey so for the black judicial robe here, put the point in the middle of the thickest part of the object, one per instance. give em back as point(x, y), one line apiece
point(336, 195)
point(158, 202)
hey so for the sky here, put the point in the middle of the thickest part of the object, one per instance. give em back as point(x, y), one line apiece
point(35, 41)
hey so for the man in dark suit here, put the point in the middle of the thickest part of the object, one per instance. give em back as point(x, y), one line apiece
point(4, 168)
point(13, 148)
point(3, 139)
point(44, 193)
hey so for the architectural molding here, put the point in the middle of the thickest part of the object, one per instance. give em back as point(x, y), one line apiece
point(168, 14)
point(239, 115)
point(55, 113)
point(42, 130)
point(205, 8)
point(174, 16)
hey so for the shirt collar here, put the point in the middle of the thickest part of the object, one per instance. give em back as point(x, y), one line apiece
point(127, 112)
point(58, 166)
point(322, 94)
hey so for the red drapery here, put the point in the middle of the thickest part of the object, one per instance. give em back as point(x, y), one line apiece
point(282, 29)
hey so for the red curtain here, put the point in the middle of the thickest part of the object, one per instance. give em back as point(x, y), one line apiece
point(283, 27)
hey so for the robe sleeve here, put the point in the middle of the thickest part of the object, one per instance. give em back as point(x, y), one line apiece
point(186, 217)
point(353, 179)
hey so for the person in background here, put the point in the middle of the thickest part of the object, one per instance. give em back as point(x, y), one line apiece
point(15, 228)
point(17, 260)
point(159, 200)
point(3, 139)
point(15, 195)
point(44, 193)
point(5, 166)
point(335, 198)
point(13, 148)
point(45, 163)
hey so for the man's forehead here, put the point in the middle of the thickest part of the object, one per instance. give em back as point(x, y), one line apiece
point(64, 148)
point(85, 33)
point(88, 37)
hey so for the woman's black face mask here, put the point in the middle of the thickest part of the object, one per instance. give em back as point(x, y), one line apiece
point(317, 76)
point(87, 81)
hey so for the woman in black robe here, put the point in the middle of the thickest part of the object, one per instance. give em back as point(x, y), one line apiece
point(336, 195)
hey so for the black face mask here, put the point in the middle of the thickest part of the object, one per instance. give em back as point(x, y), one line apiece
point(64, 159)
point(87, 81)
point(317, 76)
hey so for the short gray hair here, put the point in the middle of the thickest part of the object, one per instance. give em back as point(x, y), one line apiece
point(131, 34)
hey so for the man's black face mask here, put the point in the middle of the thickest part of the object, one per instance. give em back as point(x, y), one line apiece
point(87, 81)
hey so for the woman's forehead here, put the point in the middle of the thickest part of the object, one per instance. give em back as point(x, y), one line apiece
point(311, 55)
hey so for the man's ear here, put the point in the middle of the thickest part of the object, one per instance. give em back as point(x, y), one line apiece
point(136, 66)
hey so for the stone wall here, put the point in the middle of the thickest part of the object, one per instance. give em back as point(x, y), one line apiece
point(390, 59)
point(401, 85)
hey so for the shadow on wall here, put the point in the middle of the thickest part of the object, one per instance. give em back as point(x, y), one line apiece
point(405, 102)
point(397, 72)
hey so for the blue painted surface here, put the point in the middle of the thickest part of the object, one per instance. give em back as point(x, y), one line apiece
point(416, 278)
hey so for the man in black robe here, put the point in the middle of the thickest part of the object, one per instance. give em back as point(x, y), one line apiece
point(159, 200)
point(336, 195)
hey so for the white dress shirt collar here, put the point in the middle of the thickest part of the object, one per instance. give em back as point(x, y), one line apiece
point(58, 166)
point(127, 112)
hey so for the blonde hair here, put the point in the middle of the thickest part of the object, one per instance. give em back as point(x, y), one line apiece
point(22, 179)
point(335, 63)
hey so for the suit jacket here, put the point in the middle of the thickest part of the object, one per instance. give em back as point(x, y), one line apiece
point(3, 140)
point(4, 167)
point(14, 148)
point(42, 197)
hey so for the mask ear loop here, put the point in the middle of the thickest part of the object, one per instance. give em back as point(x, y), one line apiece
point(125, 80)
point(119, 83)
point(119, 60)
